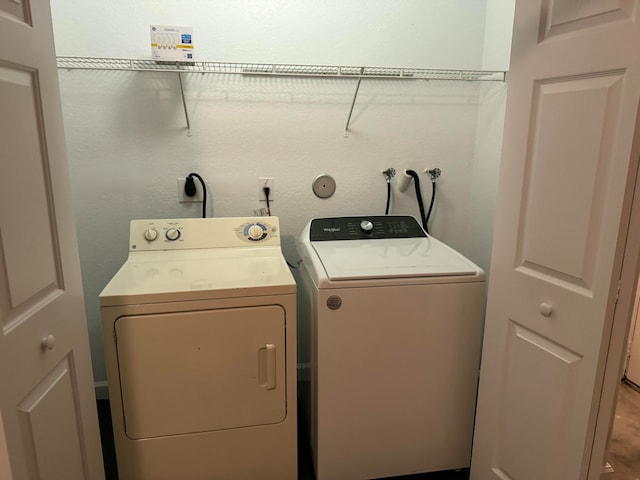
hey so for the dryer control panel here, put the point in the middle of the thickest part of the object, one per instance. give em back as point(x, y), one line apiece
point(198, 233)
point(362, 228)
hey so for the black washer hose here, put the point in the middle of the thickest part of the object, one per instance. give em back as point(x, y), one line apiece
point(416, 182)
point(386, 211)
point(204, 193)
point(433, 197)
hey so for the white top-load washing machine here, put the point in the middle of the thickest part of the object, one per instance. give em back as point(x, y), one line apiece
point(199, 333)
point(390, 323)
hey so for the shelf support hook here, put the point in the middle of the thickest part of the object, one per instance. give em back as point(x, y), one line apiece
point(353, 102)
point(184, 105)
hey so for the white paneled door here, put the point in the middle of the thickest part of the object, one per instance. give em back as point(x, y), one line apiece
point(572, 102)
point(49, 426)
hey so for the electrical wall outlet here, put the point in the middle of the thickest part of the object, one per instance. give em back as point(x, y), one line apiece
point(265, 182)
point(183, 198)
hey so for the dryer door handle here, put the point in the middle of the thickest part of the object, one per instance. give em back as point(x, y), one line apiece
point(267, 366)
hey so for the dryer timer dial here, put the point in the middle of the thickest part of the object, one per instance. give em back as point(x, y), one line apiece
point(254, 232)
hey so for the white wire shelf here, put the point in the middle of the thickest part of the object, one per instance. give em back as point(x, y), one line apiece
point(277, 69)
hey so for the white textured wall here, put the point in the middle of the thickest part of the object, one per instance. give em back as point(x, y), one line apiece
point(406, 33)
point(127, 140)
point(497, 37)
point(484, 182)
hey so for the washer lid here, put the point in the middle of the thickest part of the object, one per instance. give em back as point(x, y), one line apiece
point(391, 258)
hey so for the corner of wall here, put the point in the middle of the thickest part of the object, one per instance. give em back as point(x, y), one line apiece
point(496, 52)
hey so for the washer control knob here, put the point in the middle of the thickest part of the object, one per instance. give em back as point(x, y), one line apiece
point(366, 225)
point(151, 234)
point(255, 232)
point(172, 234)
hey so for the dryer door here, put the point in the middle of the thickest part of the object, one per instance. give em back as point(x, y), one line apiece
point(190, 372)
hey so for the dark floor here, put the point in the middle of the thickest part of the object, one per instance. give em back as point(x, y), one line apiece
point(305, 468)
point(624, 446)
point(106, 435)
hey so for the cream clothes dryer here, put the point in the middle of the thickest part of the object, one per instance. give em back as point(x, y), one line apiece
point(199, 332)
point(390, 326)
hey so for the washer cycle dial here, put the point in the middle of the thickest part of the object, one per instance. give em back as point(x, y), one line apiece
point(172, 234)
point(366, 225)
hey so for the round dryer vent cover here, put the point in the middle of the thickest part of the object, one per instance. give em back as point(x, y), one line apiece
point(324, 186)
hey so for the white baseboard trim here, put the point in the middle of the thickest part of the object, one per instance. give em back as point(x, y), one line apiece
point(102, 390)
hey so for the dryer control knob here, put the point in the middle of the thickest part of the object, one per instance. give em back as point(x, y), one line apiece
point(151, 234)
point(366, 225)
point(172, 234)
point(255, 232)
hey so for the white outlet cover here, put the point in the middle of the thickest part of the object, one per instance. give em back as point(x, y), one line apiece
point(266, 182)
point(183, 198)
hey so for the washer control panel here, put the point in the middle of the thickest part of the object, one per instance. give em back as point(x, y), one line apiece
point(193, 233)
point(362, 228)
